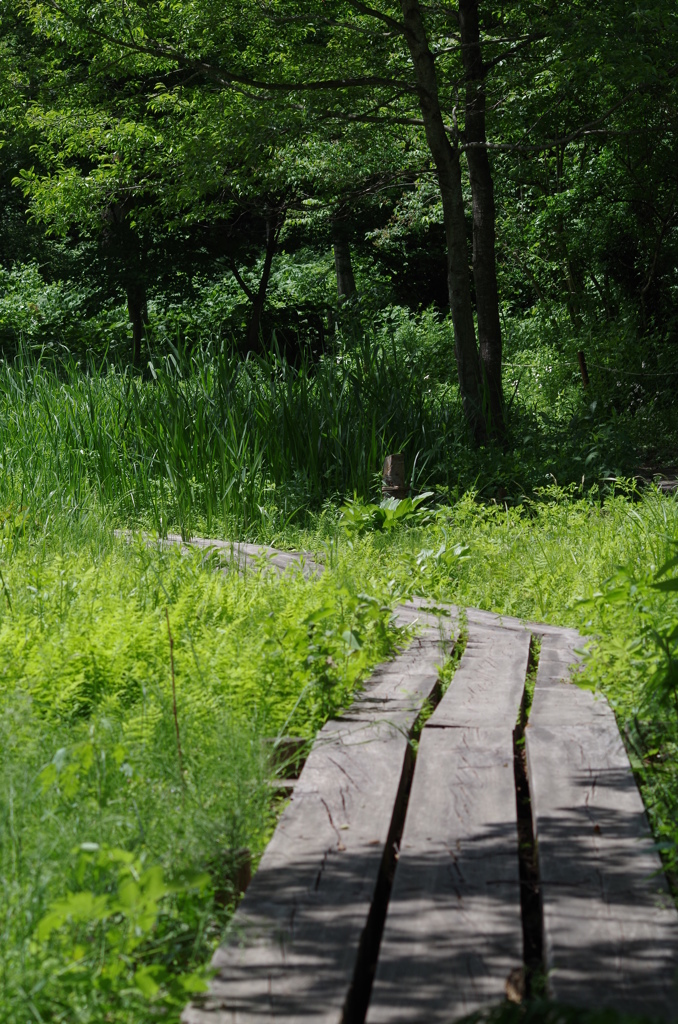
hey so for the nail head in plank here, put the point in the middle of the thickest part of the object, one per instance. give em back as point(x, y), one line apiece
point(453, 929)
point(610, 925)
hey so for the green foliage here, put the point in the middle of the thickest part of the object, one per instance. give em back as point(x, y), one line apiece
point(649, 601)
point(210, 444)
point(96, 934)
point(56, 317)
point(358, 517)
point(87, 746)
point(118, 863)
point(211, 440)
point(138, 135)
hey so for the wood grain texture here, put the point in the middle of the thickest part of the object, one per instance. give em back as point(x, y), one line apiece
point(494, 620)
point(408, 680)
point(556, 700)
point(295, 937)
point(434, 622)
point(611, 927)
point(558, 658)
point(488, 686)
point(477, 617)
point(453, 930)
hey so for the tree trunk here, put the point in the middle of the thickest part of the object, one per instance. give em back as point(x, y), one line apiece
point(274, 224)
point(446, 160)
point(346, 288)
point(137, 310)
point(482, 192)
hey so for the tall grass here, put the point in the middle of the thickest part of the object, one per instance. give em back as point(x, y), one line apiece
point(205, 442)
point(207, 439)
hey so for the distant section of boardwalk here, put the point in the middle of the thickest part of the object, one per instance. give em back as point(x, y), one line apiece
point(436, 844)
point(239, 553)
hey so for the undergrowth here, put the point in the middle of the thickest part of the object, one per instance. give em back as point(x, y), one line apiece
point(207, 443)
point(124, 826)
point(120, 841)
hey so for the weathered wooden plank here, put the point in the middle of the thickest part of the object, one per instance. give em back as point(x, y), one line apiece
point(295, 937)
point(406, 675)
point(243, 554)
point(496, 620)
point(477, 617)
point(556, 700)
point(488, 685)
point(296, 934)
point(418, 612)
point(610, 925)
point(453, 930)
point(579, 707)
point(408, 680)
point(558, 658)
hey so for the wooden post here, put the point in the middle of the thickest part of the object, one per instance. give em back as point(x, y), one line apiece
point(583, 368)
point(393, 482)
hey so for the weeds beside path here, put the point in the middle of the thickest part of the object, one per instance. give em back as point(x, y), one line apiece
point(118, 860)
point(119, 839)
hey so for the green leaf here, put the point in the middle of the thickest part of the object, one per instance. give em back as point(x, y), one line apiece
point(192, 983)
point(351, 640)
point(147, 979)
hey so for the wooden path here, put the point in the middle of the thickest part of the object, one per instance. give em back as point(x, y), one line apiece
point(419, 887)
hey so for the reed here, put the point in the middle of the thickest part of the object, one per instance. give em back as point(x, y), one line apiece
point(207, 439)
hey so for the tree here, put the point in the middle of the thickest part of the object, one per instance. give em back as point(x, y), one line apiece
point(550, 78)
point(249, 47)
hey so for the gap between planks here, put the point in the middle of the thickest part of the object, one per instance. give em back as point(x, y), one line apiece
point(296, 935)
point(610, 925)
point(453, 931)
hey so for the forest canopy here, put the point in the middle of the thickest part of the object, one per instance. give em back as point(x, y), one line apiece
point(492, 163)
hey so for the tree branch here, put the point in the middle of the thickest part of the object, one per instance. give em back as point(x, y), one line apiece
point(397, 26)
point(585, 129)
point(229, 78)
point(245, 287)
point(535, 37)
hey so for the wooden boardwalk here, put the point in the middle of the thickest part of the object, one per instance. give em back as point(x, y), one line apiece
point(412, 882)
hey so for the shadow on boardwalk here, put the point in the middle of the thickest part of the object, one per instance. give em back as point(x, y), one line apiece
point(449, 949)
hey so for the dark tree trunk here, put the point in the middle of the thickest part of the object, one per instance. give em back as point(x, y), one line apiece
point(448, 168)
point(346, 288)
point(482, 192)
point(137, 310)
point(274, 224)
